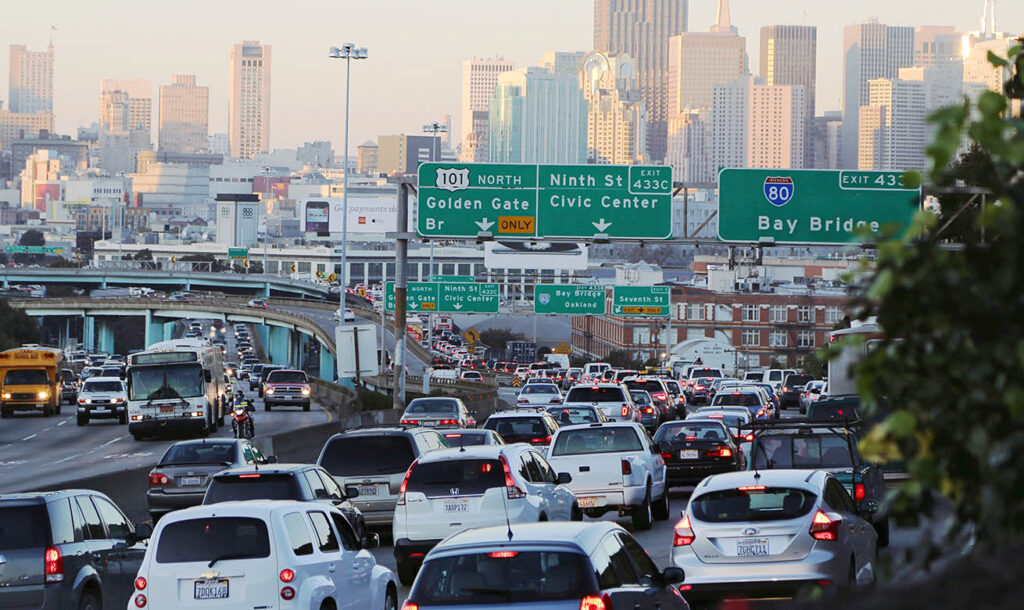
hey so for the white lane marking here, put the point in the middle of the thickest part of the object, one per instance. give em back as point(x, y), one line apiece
point(112, 441)
point(29, 437)
point(67, 459)
point(63, 422)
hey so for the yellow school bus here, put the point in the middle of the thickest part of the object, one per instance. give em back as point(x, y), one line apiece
point(29, 380)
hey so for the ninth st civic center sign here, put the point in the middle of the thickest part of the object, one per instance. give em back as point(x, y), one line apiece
point(812, 206)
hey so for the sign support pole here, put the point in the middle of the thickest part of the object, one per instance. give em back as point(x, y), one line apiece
point(401, 285)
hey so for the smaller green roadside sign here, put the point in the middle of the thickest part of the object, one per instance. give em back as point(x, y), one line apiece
point(568, 299)
point(238, 253)
point(448, 297)
point(454, 278)
point(34, 249)
point(646, 301)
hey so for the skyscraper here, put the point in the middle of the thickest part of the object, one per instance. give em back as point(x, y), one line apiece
point(126, 116)
point(789, 57)
point(184, 115)
point(249, 99)
point(30, 80)
point(479, 78)
point(617, 118)
point(641, 29)
point(758, 125)
point(871, 51)
point(893, 131)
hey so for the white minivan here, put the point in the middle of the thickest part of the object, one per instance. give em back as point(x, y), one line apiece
point(260, 554)
point(592, 369)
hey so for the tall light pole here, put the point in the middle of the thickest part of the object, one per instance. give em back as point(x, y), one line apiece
point(348, 52)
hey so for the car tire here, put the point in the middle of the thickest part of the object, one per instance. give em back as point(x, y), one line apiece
point(882, 529)
point(138, 436)
point(4, 414)
point(266, 405)
point(89, 601)
point(123, 418)
point(305, 406)
point(406, 572)
point(58, 407)
point(46, 411)
point(660, 510)
point(642, 515)
point(391, 599)
point(83, 419)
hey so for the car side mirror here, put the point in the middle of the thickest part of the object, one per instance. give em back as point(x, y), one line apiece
point(352, 491)
point(672, 575)
point(564, 478)
point(270, 459)
point(371, 540)
point(143, 531)
point(663, 446)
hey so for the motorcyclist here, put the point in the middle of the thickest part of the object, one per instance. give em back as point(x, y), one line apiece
point(241, 415)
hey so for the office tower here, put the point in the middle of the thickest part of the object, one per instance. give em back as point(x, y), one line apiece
point(689, 146)
point(249, 99)
point(617, 117)
point(936, 44)
point(871, 51)
point(788, 57)
point(184, 115)
point(758, 125)
point(402, 154)
point(366, 155)
point(125, 122)
point(538, 116)
point(479, 78)
point(641, 29)
point(893, 132)
point(21, 125)
point(826, 133)
point(30, 80)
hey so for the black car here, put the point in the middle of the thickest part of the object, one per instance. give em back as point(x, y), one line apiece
point(523, 426)
point(697, 449)
point(789, 394)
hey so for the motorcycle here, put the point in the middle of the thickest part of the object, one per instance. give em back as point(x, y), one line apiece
point(242, 425)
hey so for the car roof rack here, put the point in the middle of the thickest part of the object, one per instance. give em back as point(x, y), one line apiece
point(801, 423)
point(380, 426)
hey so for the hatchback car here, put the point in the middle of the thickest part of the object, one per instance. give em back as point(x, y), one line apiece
point(438, 412)
point(523, 426)
point(447, 491)
point(261, 554)
point(772, 533)
point(468, 438)
point(567, 416)
point(545, 565)
point(103, 398)
point(649, 412)
point(539, 395)
point(611, 398)
point(67, 549)
point(698, 448)
point(180, 478)
point(660, 397)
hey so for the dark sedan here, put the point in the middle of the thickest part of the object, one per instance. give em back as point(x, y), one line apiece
point(697, 449)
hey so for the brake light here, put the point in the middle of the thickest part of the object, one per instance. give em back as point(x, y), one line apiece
point(405, 483)
point(555, 401)
point(140, 583)
point(514, 493)
point(540, 441)
point(751, 488)
point(859, 493)
point(287, 593)
point(410, 606)
point(54, 563)
point(140, 601)
point(824, 527)
point(683, 533)
point(720, 452)
point(785, 388)
point(627, 468)
point(411, 422)
point(503, 554)
point(666, 455)
point(760, 412)
point(593, 602)
point(251, 475)
point(660, 396)
point(287, 575)
point(158, 479)
point(698, 387)
point(449, 422)
point(625, 410)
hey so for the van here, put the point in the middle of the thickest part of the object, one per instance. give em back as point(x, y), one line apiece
point(562, 360)
point(776, 377)
point(592, 369)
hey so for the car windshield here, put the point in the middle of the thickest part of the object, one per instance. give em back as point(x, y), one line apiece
point(211, 538)
point(761, 504)
point(792, 451)
point(596, 440)
point(566, 416)
point(165, 381)
point(595, 394)
point(102, 386)
point(741, 399)
point(252, 486)
point(456, 478)
point(512, 577)
point(424, 406)
point(199, 453)
point(26, 377)
point(539, 388)
point(348, 456)
point(286, 377)
point(691, 431)
point(24, 527)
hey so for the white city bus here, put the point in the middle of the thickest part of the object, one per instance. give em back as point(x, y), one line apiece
point(175, 386)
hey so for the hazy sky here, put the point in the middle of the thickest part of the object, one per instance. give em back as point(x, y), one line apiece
point(416, 49)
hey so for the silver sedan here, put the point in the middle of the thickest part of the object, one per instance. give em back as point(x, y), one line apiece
point(539, 395)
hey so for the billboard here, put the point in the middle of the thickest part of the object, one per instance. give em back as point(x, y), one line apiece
point(566, 256)
point(365, 214)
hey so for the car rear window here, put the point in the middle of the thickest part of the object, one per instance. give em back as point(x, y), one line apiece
point(743, 399)
point(429, 405)
point(286, 377)
point(456, 477)
point(691, 430)
point(199, 453)
point(647, 386)
point(793, 380)
point(707, 373)
point(790, 451)
point(23, 527)
point(461, 439)
point(253, 486)
point(349, 456)
point(573, 415)
point(540, 388)
point(102, 386)
point(596, 440)
point(592, 394)
point(640, 397)
point(752, 504)
point(517, 426)
point(213, 538)
point(503, 578)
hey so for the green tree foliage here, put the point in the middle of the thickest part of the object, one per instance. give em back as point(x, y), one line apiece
point(622, 359)
point(32, 237)
point(952, 365)
point(203, 262)
point(16, 327)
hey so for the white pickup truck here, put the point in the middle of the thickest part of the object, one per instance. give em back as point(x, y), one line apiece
point(614, 466)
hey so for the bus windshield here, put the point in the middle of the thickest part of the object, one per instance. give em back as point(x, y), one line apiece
point(164, 382)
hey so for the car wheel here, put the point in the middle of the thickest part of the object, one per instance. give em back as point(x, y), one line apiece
point(660, 509)
point(83, 418)
point(642, 517)
point(305, 406)
point(89, 601)
point(391, 599)
point(58, 407)
point(406, 572)
point(137, 436)
point(46, 411)
point(3, 413)
point(266, 406)
point(882, 528)
point(575, 514)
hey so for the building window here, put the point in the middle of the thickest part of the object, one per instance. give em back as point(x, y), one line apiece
point(751, 313)
point(833, 314)
point(751, 337)
point(695, 311)
point(805, 338)
point(777, 338)
point(778, 313)
point(804, 313)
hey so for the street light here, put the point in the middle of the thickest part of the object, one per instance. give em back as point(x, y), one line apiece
point(348, 52)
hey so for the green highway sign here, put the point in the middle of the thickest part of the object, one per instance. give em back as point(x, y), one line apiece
point(34, 249)
point(445, 297)
point(568, 299)
point(641, 300)
point(454, 278)
point(238, 253)
point(812, 206)
point(459, 200)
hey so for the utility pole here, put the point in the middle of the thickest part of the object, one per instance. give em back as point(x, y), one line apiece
point(402, 237)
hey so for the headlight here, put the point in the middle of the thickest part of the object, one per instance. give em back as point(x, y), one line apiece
point(87, 401)
point(268, 391)
point(43, 395)
point(305, 391)
point(7, 395)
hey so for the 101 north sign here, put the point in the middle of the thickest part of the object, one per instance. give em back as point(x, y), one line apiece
point(459, 200)
point(813, 206)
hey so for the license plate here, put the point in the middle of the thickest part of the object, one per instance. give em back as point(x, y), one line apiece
point(689, 454)
point(191, 481)
point(429, 424)
point(455, 507)
point(211, 589)
point(167, 408)
point(586, 502)
point(367, 490)
point(752, 547)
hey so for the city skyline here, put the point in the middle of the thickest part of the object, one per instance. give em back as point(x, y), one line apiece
point(308, 94)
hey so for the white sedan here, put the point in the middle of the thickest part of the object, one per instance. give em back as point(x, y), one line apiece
point(350, 316)
point(539, 395)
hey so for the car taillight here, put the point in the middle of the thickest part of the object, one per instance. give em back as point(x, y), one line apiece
point(54, 563)
point(698, 387)
point(649, 410)
point(287, 575)
point(405, 483)
point(683, 533)
point(627, 468)
point(140, 583)
point(720, 452)
point(665, 455)
point(785, 388)
point(140, 600)
point(287, 593)
point(449, 422)
point(859, 493)
point(625, 410)
point(411, 422)
point(593, 602)
point(514, 493)
point(540, 441)
point(555, 401)
point(158, 479)
point(824, 527)
point(660, 396)
point(522, 401)
point(410, 606)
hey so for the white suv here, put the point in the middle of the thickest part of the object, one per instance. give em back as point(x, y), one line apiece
point(260, 554)
point(103, 398)
point(451, 490)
